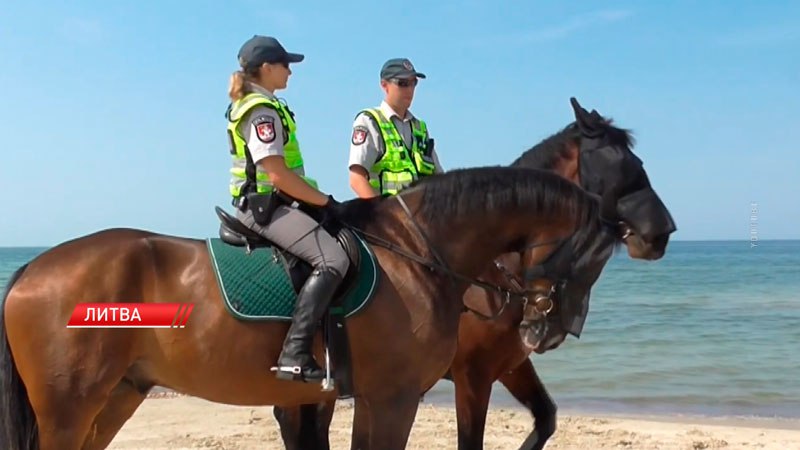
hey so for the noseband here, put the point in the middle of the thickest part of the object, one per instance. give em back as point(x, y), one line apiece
point(542, 303)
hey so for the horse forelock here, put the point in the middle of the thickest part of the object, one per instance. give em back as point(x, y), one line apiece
point(616, 136)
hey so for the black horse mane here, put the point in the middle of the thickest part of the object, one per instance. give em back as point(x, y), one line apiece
point(486, 190)
point(546, 153)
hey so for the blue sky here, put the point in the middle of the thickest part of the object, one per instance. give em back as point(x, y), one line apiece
point(111, 113)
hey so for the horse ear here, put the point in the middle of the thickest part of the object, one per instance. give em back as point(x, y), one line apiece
point(579, 111)
point(582, 118)
point(596, 117)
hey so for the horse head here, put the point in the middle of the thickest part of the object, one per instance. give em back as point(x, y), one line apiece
point(596, 155)
point(608, 168)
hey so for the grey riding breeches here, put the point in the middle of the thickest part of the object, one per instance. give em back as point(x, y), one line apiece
point(299, 234)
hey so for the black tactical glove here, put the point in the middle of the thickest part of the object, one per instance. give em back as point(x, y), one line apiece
point(332, 216)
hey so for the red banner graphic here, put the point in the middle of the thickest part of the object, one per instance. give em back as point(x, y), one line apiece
point(130, 315)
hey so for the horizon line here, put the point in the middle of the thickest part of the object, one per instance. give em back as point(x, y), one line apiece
point(671, 241)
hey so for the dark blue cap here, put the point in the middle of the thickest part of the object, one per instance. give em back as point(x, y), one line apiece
point(265, 49)
point(399, 68)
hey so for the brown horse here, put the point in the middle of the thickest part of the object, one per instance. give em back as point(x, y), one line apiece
point(591, 153)
point(68, 389)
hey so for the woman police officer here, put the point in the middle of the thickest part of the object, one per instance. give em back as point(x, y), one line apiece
point(266, 159)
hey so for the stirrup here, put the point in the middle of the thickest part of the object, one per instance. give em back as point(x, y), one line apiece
point(327, 382)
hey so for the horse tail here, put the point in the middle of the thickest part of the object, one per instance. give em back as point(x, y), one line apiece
point(18, 427)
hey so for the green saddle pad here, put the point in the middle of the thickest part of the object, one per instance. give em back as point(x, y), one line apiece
point(258, 287)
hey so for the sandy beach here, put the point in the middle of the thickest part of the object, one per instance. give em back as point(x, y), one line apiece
point(181, 422)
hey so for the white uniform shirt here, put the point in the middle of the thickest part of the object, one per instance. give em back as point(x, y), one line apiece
point(262, 129)
point(367, 146)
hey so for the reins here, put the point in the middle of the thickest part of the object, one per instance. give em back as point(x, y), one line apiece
point(440, 265)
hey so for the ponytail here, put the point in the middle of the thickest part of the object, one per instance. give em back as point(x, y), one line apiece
point(237, 88)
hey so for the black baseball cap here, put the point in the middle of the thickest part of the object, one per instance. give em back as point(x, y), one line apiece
point(265, 49)
point(399, 68)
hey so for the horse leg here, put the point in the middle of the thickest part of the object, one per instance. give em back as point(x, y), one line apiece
point(473, 389)
point(65, 419)
point(524, 384)
point(289, 422)
point(305, 427)
point(122, 403)
point(68, 388)
point(65, 400)
point(388, 420)
point(361, 426)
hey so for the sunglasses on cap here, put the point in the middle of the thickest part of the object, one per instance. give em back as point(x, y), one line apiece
point(404, 82)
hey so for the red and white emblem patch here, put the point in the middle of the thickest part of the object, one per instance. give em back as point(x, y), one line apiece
point(359, 135)
point(266, 132)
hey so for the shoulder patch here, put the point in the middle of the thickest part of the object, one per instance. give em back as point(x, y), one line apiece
point(265, 128)
point(359, 135)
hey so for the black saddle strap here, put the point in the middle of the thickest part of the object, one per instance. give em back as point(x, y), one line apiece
point(381, 242)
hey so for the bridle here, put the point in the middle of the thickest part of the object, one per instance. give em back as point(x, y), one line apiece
point(542, 303)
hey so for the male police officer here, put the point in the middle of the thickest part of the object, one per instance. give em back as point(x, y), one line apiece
point(390, 147)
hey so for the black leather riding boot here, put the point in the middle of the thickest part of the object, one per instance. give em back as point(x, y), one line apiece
point(296, 361)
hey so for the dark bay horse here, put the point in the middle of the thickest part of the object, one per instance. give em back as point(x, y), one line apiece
point(592, 153)
point(596, 155)
point(69, 389)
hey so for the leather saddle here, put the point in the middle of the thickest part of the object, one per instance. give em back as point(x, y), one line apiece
point(233, 232)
